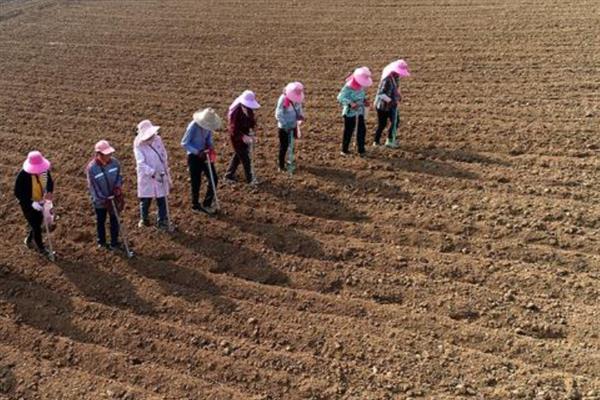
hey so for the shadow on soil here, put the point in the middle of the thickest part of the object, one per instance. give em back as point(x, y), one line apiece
point(182, 281)
point(281, 239)
point(104, 287)
point(39, 307)
point(459, 155)
point(315, 203)
point(233, 259)
point(430, 167)
point(347, 178)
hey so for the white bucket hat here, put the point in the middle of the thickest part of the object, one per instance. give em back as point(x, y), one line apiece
point(146, 130)
point(208, 119)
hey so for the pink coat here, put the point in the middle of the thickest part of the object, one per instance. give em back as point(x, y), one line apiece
point(149, 166)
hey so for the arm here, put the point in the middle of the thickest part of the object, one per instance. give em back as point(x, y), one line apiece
point(95, 192)
point(344, 96)
point(279, 109)
point(209, 141)
point(21, 190)
point(49, 183)
point(119, 178)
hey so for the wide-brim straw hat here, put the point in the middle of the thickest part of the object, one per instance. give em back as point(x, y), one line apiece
point(208, 119)
point(146, 130)
point(36, 163)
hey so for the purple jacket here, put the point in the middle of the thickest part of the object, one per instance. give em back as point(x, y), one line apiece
point(152, 167)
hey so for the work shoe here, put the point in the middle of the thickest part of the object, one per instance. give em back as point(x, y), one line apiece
point(376, 144)
point(198, 207)
point(102, 246)
point(229, 180)
point(362, 155)
point(116, 247)
point(392, 144)
point(28, 242)
point(163, 225)
point(254, 182)
point(143, 222)
point(344, 154)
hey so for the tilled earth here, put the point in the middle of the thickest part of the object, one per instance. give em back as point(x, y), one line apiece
point(464, 265)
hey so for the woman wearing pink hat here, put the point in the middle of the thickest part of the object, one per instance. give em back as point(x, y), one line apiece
point(242, 123)
point(153, 177)
point(289, 114)
point(33, 186)
point(104, 183)
point(386, 102)
point(354, 99)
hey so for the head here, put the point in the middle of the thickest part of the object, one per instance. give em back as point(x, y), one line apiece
point(36, 164)
point(363, 77)
point(294, 92)
point(146, 130)
point(103, 151)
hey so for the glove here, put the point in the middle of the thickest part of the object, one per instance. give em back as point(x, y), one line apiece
point(385, 98)
point(37, 206)
point(247, 139)
point(212, 155)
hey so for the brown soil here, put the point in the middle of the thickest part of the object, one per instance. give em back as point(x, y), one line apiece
point(464, 265)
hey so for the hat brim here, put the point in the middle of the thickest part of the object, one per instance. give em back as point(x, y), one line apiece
point(109, 150)
point(209, 125)
point(402, 72)
point(37, 168)
point(295, 96)
point(364, 81)
point(250, 104)
point(148, 133)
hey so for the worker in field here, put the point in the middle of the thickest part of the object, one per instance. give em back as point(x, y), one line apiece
point(105, 187)
point(201, 157)
point(353, 98)
point(289, 116)
point(33, 187)
point(153, 177)
point(387, 100)
point(242, 125)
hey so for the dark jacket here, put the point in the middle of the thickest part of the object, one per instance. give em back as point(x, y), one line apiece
point(23, 189)
point(240, 124)
point(103, 181)
point(389, 87)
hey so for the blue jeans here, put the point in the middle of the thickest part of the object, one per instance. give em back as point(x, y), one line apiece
point(101, 227)
point(162, 208)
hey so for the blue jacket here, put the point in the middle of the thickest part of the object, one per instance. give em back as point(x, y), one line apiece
point(287, 117)
point(103, 180)
point(196, 139)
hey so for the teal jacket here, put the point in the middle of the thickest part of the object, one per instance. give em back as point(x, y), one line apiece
point(347, 96)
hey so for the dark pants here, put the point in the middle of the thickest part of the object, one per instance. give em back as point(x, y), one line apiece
point(197, 167)
point(349, 125)
point(162, 208)
point(34, 219)
point(242, 154)
point(101, 227)
point(284, 144)
point(383, 116)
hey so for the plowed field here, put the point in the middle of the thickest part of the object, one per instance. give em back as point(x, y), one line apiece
point(463, 265)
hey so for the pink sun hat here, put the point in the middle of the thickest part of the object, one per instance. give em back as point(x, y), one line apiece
point(399, 66)
point(363, 75)
point(104, 147)
point(36, 163)
point(247, 98)
point(146, 130)
point(295, 92)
